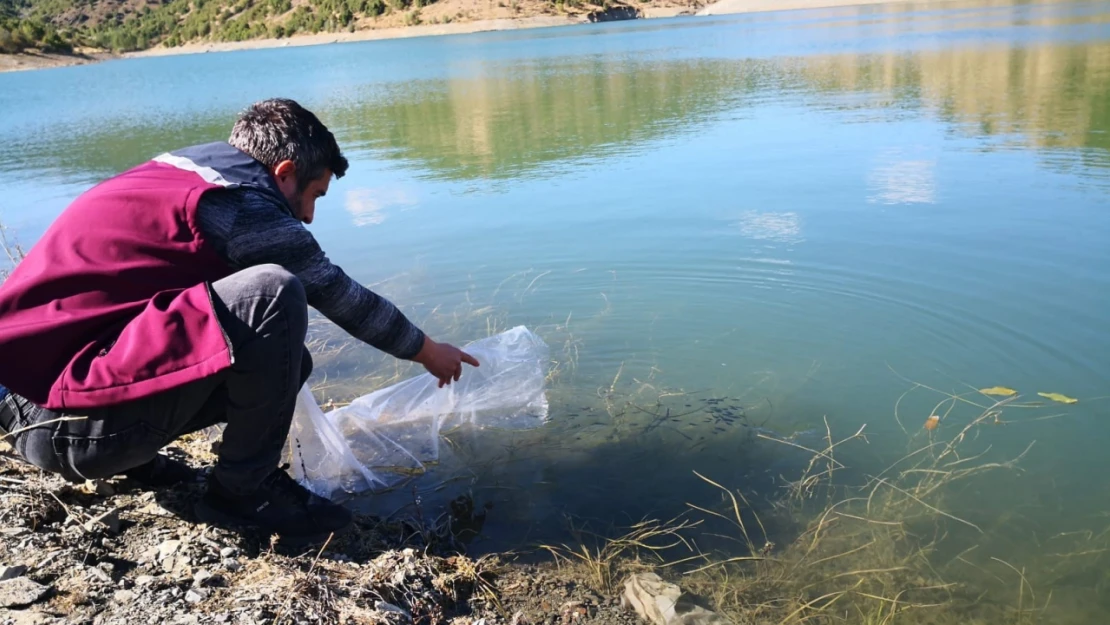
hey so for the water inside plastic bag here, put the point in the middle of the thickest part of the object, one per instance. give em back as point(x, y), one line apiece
point(386, 436)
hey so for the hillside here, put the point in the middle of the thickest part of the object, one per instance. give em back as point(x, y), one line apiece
point(127, 25)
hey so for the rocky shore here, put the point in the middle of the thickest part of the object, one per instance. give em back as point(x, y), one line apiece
point(104, 552)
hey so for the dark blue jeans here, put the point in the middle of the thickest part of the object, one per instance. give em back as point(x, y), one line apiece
point(264, 313)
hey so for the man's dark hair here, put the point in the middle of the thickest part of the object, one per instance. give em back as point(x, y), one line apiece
point(279, 130)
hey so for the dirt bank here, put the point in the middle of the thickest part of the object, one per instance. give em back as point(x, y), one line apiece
point(728, 7)
point(106, 552)
point(43, 60)
point(448, 17)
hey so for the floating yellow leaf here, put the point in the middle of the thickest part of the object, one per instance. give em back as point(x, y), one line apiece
point(1063, 399)
point(999, 390)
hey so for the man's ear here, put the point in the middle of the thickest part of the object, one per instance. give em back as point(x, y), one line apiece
point(284, 170)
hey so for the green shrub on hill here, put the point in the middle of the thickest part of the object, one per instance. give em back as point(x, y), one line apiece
point(59, 25)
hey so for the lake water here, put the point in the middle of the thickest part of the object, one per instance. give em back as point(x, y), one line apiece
point(716, 223)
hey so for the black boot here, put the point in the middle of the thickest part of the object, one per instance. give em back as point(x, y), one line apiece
point(279, 506)
point(162, 471)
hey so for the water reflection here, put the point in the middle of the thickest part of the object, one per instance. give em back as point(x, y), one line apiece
point(371, 206)
point(898, 178)
point(524, 120)
point(1044, 96)
point(785, 228)
point(536, 117)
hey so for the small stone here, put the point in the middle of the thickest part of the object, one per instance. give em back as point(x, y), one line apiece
point(222, 617)
point(21, 592)
point(100, 487)
point(168, 564)
point(175, 592)
point(50, 557)
point(519, 618)
point(203, 578)
point(123, 596)
point(99, 573)
point(382, 606)
point(168, 548)
point(155, 509)
point(28, 617)
point(232, 565)
point(229, 552)
point(196, 595)
point(109, 520)
point(144, 580)
point(14, 531)
point(12, 572)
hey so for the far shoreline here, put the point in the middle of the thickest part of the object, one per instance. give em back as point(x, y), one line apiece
point(27, 62)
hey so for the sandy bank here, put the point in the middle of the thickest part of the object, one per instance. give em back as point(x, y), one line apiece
point(728, 7)
point(36, 60)
point(667, 8)
point(424, 30)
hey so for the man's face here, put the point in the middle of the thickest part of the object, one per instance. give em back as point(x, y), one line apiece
point(302, 201)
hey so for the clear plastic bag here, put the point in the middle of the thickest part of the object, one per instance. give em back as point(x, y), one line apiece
point(386, 436)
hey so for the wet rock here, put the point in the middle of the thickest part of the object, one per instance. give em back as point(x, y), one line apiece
point(12, 572)
point(21, 592)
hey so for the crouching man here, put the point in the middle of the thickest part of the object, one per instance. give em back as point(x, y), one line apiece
point(173, 297)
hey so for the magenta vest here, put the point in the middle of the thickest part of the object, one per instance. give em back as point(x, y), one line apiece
point(113, 303)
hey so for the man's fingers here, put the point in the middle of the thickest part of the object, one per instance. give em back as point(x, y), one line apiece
point(468, 359)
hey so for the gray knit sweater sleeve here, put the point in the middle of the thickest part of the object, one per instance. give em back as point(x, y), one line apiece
point(250, 228)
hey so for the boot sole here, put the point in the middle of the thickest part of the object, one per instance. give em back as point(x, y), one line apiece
point(207, 514)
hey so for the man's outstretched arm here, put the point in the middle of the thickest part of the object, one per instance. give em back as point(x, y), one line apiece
point(249, 228)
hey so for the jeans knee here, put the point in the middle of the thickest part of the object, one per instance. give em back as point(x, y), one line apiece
point(288, 292)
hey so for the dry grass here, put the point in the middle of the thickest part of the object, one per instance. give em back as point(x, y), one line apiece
point(879, 552)
point(903, 544)
point(604, 560)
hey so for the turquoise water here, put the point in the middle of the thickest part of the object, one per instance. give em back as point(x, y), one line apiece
point(784, 212)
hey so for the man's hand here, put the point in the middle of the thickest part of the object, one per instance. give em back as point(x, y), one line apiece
point(443, 361)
